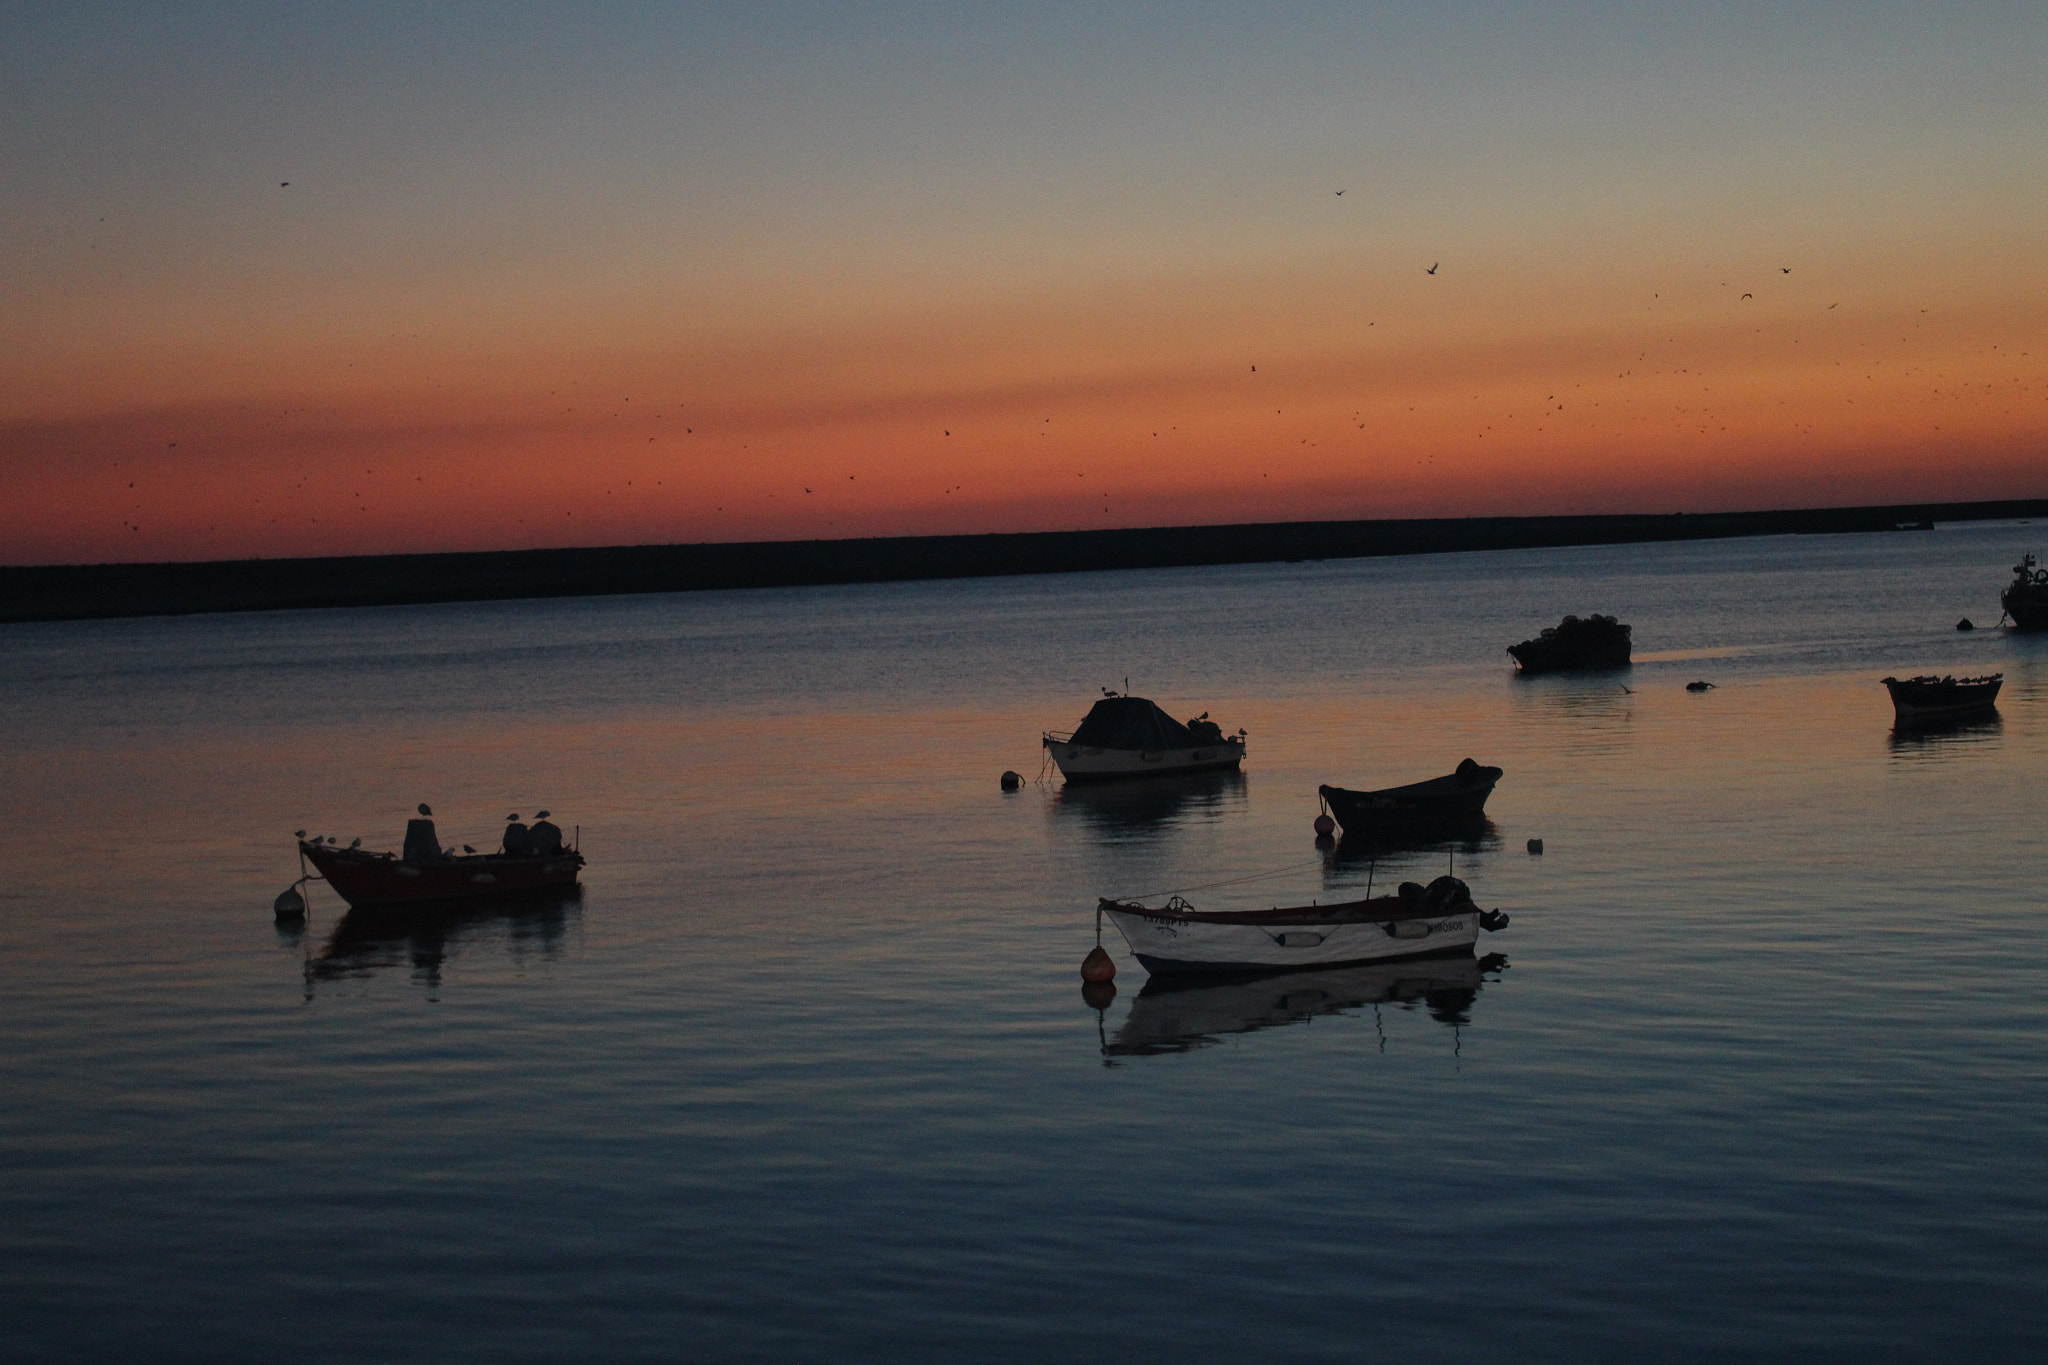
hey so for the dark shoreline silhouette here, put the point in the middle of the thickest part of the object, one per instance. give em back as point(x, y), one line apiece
point(86, 591)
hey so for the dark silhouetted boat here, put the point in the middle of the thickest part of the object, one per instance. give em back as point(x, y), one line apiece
point(1439, 920)
point(1447, 804)
point(1131, 737)
point(1932, 698)
point(2026, 598)
point(424, 873)
point(1576, 642)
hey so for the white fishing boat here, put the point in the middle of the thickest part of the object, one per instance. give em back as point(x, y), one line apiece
point(1125, 736)
point(1439, 920)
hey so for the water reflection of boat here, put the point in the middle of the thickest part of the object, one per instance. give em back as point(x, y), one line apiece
point(1174, 1014)
point(1442, 803)
point(1145, 802)
point(1433, 921)
point(1931, 698)
point(1478, 835)
point(366, 941)
point(1127, 737)
point(1930, 737)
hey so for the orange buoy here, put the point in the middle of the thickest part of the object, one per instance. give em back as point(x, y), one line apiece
point(1098, 965)
point(1098, 994)
point(1325, 826)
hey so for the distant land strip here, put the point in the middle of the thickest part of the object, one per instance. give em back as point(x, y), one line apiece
point(88, 591)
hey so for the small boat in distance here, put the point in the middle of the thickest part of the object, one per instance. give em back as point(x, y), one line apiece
point(1124, 736)
point(425, 872)
point(1932, 698)
point(1576, 642)
point(2026, 598)
point(1442, 803)
point(1439, 920)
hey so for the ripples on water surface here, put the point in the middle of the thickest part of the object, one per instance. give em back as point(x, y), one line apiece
point(806, 1072)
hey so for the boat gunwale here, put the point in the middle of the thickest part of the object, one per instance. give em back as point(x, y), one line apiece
point(1385, 909)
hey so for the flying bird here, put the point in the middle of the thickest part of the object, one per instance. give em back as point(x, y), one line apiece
point(1340, 194)
point(1749, 296)
point(1784, 270)
point(1432, 269)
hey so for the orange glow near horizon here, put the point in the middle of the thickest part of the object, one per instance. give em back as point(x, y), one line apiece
point(940, 430)
point(1691, 276)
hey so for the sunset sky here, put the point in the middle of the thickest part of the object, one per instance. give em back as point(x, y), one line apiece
point(333, 278)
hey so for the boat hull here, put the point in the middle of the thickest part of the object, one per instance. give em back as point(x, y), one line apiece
point(368, 880)
point(1086, 763)
point(2028, 607)
point(1444, 803)
point(1916, 701)
point(1192, 943)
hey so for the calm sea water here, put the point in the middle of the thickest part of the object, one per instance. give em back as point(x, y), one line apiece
point(806, 1073)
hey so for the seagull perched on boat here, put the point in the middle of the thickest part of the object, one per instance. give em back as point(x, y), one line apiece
point(298, 834)
point(467, 849)
point(425, 809)
point(356, 842)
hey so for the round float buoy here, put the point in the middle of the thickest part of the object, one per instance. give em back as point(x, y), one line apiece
point(1325, 826)
point(1098, 965)
point(1535, 845)
point(289, 904)
point(1012, 781)
point(1098, 994)
point(1966, 624)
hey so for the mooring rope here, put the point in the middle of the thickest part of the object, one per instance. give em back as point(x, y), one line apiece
point(1211, 886)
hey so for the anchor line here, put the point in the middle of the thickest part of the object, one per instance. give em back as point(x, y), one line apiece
point(1234, 881)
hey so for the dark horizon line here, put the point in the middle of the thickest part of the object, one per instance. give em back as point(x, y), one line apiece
point(69, 592)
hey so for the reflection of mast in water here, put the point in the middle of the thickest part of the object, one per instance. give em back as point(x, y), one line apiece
point(366, 941)
point(1174, 1015)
